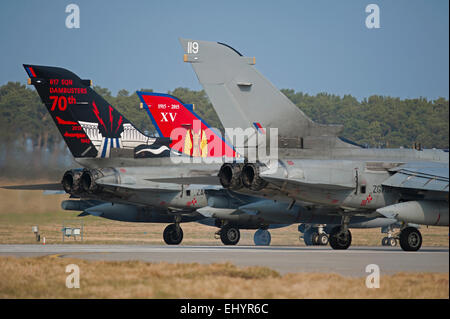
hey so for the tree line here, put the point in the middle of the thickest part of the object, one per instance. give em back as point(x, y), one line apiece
point(30, 142)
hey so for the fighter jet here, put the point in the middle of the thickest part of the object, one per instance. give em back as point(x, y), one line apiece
point(169, 114)
point(314, 164)
point(119, 162)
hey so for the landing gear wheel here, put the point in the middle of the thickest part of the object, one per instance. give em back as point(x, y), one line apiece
point(262, 237)
point(315, 239)
point(310, 237)
point(384, 241)
point(323, 240)
point(340, 240)
point(410, 239)
point(173, 235)
point(392, 242)
point(229, 235)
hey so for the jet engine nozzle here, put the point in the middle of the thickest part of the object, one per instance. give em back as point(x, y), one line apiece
point(90, 177)
point(87, 181)
point(250, 177)
point(230, 176)
point(71, 181)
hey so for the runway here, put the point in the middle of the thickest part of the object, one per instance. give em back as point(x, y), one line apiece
point(351, 262)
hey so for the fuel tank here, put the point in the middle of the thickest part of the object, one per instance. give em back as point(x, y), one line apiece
point(424, 212)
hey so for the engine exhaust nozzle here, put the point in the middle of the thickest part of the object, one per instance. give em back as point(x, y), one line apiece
point(71, 181)
point(230, 176)
point(250, 177)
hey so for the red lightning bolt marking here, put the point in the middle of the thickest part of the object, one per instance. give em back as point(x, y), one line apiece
point(97, 114)
point(120, 122)
point(110, 116)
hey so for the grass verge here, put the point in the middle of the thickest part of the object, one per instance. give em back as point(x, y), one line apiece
point(45, 277)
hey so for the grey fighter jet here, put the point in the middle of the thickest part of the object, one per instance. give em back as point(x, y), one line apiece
point(314, 164)
point(119, 162)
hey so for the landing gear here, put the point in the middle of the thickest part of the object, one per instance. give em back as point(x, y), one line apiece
point(173, 234)
point(389, 241)
point(340, 238)
point(229, 235)
point(262, 237)
point(323, 239)
point(391, 238)
point(315, 236)
point(410, 239)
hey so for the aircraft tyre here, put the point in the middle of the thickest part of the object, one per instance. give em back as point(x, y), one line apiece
point(315, 238)
point(340, 240)
point(172, 235)
point(229, 235)
point(410, 239)
point(310, 237)
point(392, 242)
point(262, 237)
point(323, 240)
point(384, 241)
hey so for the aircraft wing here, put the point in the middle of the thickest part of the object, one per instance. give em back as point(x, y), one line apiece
point(429, 176)
point(33, 187)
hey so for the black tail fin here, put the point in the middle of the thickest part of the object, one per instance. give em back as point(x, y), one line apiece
point(90, 126)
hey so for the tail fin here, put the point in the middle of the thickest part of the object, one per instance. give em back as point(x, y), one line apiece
point(90, 126)
point(243, 98)
point(189, 133)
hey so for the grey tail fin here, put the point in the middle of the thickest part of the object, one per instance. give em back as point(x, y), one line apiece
point(243, 98)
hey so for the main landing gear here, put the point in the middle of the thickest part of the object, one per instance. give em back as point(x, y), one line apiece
point(410, 239)
point(173, 234)
point(229, 235)
point(340, 236)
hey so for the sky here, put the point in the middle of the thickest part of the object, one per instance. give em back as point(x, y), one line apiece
point(309, 46)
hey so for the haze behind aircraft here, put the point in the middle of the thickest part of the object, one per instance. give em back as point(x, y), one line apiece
point(317, 166)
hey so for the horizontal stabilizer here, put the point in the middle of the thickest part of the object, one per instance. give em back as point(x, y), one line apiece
point(34, 187)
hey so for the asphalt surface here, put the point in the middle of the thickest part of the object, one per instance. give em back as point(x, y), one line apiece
point(351, 262)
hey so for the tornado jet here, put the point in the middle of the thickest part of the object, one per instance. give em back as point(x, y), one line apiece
point(314, 164)
point(119, 162)
point(178, 121)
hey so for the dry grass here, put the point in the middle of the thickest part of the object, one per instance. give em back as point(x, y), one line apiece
point(19, 210)
point(45, 277)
